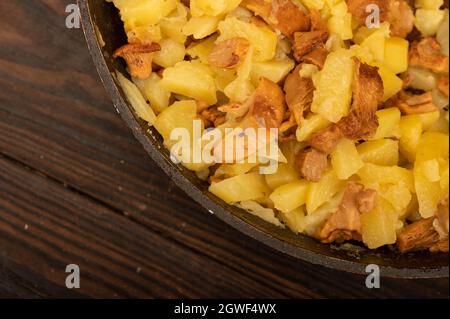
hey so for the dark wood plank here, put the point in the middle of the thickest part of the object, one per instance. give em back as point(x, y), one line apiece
point(44, 227)
point(56, 118)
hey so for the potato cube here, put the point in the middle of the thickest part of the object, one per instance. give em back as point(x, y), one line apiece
point(314, 4)
point(263, 40)
point(428, 21)
point(429, 119)
point(201, 27)
point(396, 55)
point(321, 192)
point(202, 49)
point(315, 220)
point(171, 53)
point(295, 220)
point(345, 159)
point(392, 84)
point(251, 186)
point(275, 70)
point(428, 193)
point(179, 115)
point(432, 146)
point(285, 174)
point(332, 96)
point(411, 129)
point(231, 170)
point(398, 195)
point(389, 123)
point(313, 123)
point(422, 79)
point(431, 170)
point(381, 152)
point(172, 25)
point(341, 25)
point(155, 93)
point(374, 175)
point(379, 227)
point(212, 7)
point(364, 32)
point(429, 4)
point(444, 182)
point(260, 211)
point(291, 196)
point(136, 99)
point(376, 43)
point(191, 79)
point(224, 77)
point(239, 90)
point(135, 13)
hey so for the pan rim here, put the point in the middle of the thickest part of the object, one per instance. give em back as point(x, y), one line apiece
point(205, 201)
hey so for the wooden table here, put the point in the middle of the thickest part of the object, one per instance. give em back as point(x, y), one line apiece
point(76, 188)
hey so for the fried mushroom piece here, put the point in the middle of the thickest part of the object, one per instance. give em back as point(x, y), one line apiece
point(422, 234)
point(306, 42)
point(345, 223)
point(426, 53)
point(317, 57)
point(268, 108)
point(401, 18)
point(361, 123)
point(265, 108)
point(443, 85)
point(139, 58)
point(416, 104)
point(229, 53)
point(288, 129)
point(398, 13)
point(212, 117)
point(327, 139)
point(299, 94)
point(317, 21)
point(282, 15)
point(311, 164)
point(368, 90)
point(419, 235)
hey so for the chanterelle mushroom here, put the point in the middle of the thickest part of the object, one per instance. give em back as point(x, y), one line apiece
point(268, 108)
point(311, 164)
point(426, 53)
point(317, 57)
point(431, 233)
point(361, 123)
point(416, 104)
point(306, 42)
point(139, 58)
point(229, 53)
point(345, 223)
point(299, 93)
point(282, 15)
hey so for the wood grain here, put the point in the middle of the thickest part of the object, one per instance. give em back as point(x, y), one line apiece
point(72, 172)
